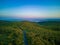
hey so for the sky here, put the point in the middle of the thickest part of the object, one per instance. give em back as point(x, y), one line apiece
point(30, 8)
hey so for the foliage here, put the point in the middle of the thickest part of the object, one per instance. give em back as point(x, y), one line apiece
point(37, 33)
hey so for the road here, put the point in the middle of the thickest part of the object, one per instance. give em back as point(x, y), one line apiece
point(25, 37)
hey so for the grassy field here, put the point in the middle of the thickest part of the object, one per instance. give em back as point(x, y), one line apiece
point(41, 33)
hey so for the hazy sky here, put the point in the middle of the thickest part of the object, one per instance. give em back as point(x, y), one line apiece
point(30, 8)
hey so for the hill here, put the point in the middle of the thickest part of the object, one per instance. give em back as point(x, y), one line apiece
point(54, 25)
point(36, 33)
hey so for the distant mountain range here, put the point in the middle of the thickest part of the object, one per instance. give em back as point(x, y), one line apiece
point(29, 19)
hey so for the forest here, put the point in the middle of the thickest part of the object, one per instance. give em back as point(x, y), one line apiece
point(29, 33)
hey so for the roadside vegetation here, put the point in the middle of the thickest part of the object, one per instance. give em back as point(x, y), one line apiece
point(46, 33)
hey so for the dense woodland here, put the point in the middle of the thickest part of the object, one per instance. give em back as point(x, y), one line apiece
point(41, 33)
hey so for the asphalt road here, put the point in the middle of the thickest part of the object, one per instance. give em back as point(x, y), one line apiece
point(24, 35)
